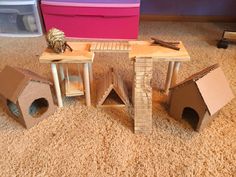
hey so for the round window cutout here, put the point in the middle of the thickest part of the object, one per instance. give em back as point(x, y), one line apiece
point(13, 108)
point(38, 107)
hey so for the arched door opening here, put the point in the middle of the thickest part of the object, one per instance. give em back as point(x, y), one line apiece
point(38, 107)
point(191, 116)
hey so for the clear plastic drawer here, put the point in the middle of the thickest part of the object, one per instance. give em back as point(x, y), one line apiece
point(20, 20)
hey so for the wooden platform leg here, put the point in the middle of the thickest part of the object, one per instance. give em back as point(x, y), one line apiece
point(62, 75)
point(91, 73)
point(169, 76)
point(175, 73)
point(92, 86)
point(87, 84)
point(56, 84)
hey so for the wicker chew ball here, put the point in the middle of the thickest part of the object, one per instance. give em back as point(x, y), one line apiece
point(56, 40)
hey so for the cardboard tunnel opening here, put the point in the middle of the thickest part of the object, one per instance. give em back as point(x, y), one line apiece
point(191, 117)
point(38, 107)
point(13, 108)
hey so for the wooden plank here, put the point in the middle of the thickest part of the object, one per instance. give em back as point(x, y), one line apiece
point(143, 103)
point(143, 49)
point(142, 69)
point(143, 110)
point(141, 73)
point(80, 54)
point(83, 52)
point(117, 46)
point(141, 113)
point(110, 47)
point(98, 46)
point(230, 35)
point(112, 106)
point(74, 86)
point(146, 65)
point(140, 124)
point(94, 45)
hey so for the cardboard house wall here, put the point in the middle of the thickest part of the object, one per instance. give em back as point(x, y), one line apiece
point(26, 96)
point(205, 92)
point(112, 82)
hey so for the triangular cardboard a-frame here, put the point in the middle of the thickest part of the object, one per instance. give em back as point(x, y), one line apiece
point(112, 82)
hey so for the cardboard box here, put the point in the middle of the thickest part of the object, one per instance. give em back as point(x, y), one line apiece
point(201, 96)
point(26, 96)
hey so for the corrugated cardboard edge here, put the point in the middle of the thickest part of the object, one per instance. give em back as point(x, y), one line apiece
point(114, 82)
point(196, 76)
point(33, 76)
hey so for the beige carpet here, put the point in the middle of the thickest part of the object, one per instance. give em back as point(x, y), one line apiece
point(82, 141)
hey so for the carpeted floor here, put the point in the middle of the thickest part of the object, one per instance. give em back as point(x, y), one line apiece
point(82, 141)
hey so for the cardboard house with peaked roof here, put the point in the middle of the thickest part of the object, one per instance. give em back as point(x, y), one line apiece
point(26, 96)
point(200, 97)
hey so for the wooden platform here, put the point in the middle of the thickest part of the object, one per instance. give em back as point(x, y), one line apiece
point(121, 46)
point(80, 54)
point(145, 49)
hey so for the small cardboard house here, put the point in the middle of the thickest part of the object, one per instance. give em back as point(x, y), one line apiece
point(26, 96)
point(200, 97)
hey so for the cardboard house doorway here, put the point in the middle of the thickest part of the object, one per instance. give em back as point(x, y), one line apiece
point(191, 117)
point(38, 107)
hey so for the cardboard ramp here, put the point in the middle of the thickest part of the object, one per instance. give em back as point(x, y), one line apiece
point(142, 95)
point(111, 91)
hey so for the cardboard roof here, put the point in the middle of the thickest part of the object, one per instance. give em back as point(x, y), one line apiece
point(14, 80)
point(213, 87)
point(196, 76)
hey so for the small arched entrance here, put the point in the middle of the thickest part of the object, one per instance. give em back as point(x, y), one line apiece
point(38, 107)
point(190, 116)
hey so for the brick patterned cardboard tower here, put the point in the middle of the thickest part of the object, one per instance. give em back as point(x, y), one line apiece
point(142, 91)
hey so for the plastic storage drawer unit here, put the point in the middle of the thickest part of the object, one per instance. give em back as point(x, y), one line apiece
point(20, 18)
point(99, 19)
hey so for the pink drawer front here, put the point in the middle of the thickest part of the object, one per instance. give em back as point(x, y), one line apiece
point(93, 22)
